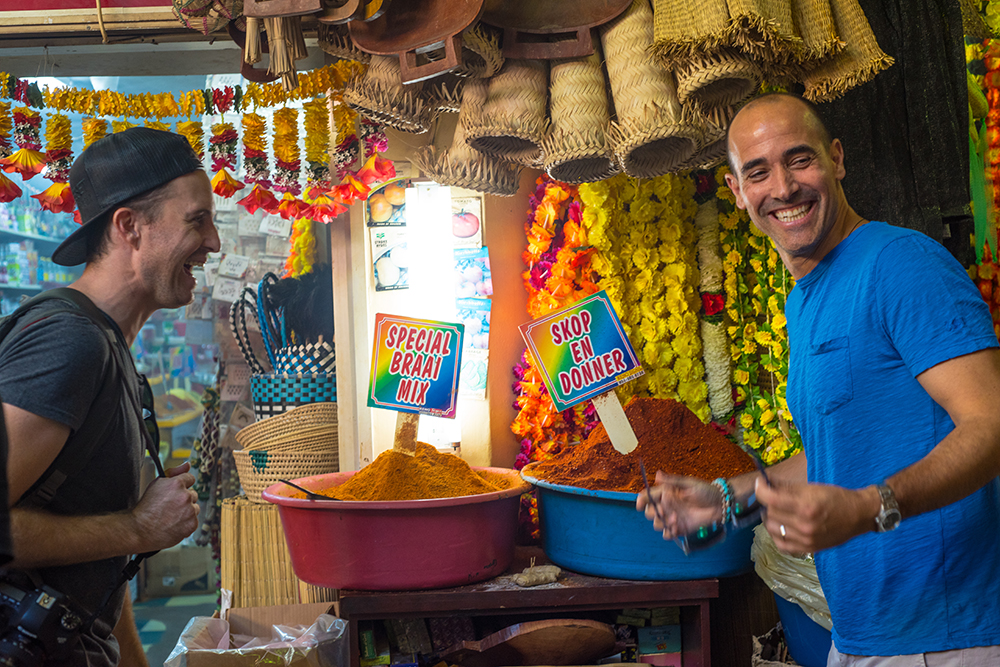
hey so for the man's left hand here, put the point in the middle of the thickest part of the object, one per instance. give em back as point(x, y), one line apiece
point(806, 518)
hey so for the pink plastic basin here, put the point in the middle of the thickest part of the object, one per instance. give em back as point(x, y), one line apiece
point(397, 545)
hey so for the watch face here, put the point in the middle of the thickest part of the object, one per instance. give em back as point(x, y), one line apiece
point(889, 519)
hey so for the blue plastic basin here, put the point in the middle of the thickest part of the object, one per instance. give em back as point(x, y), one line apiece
point(600, 533)
point(808, 641)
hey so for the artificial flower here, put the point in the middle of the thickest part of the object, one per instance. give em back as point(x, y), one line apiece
point(57, 198)
point(349, 191)
point(259, 198)
point(8, 189)
point(376, 170)
point(225, 185)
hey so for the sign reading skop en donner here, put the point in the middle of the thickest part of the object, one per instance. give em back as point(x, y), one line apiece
point(582, 350)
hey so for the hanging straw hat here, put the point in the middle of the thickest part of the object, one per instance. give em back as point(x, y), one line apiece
point(463, 166)
point(712, 149)
point(336, 40)
point(481, 55)
point(576, 148)
point(765, 31)
point(381, 96)
point(682, 29)
point(814, 22)
point(858, 63)
point(722, 79)
point(513, 122)
point(652, 135)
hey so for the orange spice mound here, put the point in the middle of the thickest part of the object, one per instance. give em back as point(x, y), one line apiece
point(427, 474)
point(671, 439)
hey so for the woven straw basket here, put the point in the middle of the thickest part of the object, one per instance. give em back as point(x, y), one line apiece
point(288, 424)
point(259, 469)
point(299, 443)
point(513, 120)
point(336, 40)
point(576, 148)
point(720, 80)
point(858, 63)
point(712, 149)
point(652, 135)
point(461, 165)
point(481, 55)
point(381, 96)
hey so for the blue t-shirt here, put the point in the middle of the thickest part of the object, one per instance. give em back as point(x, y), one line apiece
point(882, 307)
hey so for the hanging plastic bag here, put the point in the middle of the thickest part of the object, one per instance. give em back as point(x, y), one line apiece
point(794, 578)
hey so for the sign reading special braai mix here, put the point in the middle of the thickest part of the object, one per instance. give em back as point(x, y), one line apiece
point(582, 349)
point(415, 365)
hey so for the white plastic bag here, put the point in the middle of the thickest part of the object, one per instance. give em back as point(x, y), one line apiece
point(792, 577)
point(322, 644)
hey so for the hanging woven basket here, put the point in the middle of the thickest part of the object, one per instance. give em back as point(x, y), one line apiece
point(513, 122)
point(381, 96)
point(577, 149)
point(719, 80)
point(461, 165)
point(652, 135)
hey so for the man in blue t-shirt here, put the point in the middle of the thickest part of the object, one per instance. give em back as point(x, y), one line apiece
point(894, 384)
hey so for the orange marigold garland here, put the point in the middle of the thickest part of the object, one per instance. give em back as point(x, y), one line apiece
point(317, 144)
point(94, 129)
point(28, 160)
point(255, 166)
point(558, 274)
point(193, 131)
point(58, 198)
point(5, 127)
point(223, 148)
point(286, 151)
point(303, 254)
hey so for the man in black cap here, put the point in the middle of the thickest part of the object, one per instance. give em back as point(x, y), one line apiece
point(147, 214)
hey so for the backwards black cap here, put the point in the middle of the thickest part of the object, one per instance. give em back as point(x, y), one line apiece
point(117, 168)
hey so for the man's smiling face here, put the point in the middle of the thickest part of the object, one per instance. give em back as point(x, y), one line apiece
point(787, 177)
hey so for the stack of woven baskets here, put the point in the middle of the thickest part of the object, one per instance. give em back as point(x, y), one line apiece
point(656, 96)
point(299, 443)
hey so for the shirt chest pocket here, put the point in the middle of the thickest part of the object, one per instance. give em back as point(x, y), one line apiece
point(830, 369)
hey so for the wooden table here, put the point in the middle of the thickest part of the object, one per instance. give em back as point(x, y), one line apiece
point(573, 593)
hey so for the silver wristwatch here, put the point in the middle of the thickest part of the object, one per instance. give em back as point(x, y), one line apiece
point(888, 517)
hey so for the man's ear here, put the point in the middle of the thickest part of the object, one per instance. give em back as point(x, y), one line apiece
point(837, 155)
point(734, 185)
point(125, 227)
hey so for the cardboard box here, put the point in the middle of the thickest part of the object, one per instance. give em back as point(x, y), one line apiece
point(251, 621)
point(179, 570)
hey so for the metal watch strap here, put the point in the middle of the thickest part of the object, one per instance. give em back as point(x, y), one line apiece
point(889, 516)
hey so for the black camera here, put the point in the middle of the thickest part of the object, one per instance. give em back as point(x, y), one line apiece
point(36, 624)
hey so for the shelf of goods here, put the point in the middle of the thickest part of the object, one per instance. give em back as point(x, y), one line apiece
point(575, 593)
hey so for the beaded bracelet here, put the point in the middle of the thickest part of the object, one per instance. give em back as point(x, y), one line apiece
point(727, 499)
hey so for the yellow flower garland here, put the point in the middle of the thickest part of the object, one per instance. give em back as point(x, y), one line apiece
point(93, 129)
point(756, 285)
point(645, 239)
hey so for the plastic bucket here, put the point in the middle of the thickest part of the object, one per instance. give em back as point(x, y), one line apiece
point(601, 533)
point(808, 641)
point(397, 545)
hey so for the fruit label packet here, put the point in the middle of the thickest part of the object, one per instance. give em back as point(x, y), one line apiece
point(386, 205)
point(466, 221)
point(390, 258)
point(473, 278)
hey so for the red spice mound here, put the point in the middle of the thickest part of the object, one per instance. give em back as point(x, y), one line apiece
point(671, 439)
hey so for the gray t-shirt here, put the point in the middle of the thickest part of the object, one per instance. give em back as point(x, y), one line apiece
point(55, 366)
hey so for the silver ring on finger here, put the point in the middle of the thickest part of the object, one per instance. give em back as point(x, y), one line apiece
point(781, 529)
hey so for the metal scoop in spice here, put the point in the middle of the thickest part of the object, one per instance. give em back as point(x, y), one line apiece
point(309, 494)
